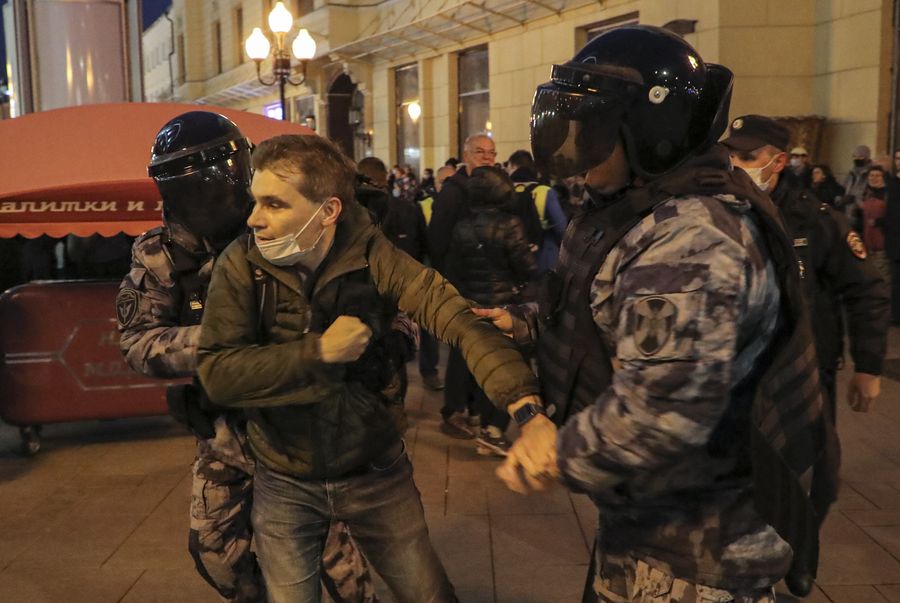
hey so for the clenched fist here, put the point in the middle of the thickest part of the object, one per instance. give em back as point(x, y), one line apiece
point(345, 340)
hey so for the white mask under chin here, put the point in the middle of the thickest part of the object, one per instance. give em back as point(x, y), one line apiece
point(284, 251)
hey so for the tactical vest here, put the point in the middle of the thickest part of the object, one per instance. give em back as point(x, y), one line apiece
point(800, 217)
point(191, 285)
point(793, 448)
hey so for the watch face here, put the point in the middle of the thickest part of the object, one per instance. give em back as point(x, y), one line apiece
point(526, 413)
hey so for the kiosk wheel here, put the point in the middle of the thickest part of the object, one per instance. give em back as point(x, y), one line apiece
point(31, 439)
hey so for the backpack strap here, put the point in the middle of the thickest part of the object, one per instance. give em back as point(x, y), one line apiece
point(266, 300)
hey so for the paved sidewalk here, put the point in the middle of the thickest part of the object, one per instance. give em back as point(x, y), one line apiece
point(100, 515)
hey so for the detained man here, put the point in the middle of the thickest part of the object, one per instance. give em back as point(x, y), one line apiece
point(295, 332)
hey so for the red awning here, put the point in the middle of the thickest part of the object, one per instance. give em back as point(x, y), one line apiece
point(83, 170)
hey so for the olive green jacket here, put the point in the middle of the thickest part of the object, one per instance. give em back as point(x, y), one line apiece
point(305, 417)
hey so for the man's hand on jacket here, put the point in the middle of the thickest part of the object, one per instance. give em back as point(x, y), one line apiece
point(345, 340)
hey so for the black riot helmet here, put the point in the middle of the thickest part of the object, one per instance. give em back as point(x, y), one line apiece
point(641, 83)
point(201, 165)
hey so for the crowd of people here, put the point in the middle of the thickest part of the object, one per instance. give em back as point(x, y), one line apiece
point(869, 197)
point(661, 283)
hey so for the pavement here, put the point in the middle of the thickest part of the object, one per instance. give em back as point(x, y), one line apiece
point(100, 515)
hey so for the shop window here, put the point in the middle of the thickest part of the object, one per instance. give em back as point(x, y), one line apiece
point(408, 112)
point(217, 46)
point(589, 32)
point(474, 94)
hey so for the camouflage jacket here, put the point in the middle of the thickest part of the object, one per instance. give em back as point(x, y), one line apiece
point(149, 303)
point(686, 302)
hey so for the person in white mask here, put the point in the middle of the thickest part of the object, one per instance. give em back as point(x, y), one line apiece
point(800, 165)
point(297, 331)
point(757, 145)
point(838, 278)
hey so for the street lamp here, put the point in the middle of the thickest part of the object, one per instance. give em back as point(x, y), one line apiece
point(258, 47)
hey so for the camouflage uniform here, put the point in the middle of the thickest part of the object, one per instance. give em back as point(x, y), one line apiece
point(686, 302)
point(149, 309)
point(626, 580)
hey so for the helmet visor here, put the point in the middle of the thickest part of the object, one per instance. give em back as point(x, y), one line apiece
point(213, 201)
point(573, 131)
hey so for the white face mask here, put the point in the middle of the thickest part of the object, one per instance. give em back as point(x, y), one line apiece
point(756, 175)
point(284, 251)
point(796, 162)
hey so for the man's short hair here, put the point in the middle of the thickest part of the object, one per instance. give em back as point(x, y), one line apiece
point(374, 169)
point(521, 159)
point(314, 165)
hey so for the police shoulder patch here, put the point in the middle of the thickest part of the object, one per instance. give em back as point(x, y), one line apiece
point(857, 247)
point(126, 306)
point(654, 322)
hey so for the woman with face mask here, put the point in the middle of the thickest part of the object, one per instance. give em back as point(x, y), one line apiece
point(855, 183)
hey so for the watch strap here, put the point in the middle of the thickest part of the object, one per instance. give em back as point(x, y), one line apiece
point(527, 412)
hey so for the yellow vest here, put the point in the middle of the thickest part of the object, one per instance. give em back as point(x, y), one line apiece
point(426, 208)
point(539, 194)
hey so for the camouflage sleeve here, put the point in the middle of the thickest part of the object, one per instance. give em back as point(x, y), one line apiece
point(147, 308)
point(668, 300)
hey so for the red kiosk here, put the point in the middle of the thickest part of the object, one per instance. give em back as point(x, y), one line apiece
point(80, 171)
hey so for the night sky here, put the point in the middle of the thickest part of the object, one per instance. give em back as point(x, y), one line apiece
point(151, 9)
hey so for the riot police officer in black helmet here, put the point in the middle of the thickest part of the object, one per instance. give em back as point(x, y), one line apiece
point(201, 165)
point(676, 272)
point(200, 162)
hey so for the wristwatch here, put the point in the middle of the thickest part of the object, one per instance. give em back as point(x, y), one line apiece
point(527, 412)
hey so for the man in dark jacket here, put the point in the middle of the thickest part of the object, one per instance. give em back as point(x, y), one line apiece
point(295, 332)
point(837, 278)
point(452, 202)
point(403, 221)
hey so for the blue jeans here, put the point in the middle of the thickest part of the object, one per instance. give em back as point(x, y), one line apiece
point(383, 510)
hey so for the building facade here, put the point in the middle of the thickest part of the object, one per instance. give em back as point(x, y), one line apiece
point(408, 80)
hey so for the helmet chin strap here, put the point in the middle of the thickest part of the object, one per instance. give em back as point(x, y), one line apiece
point(598, 199)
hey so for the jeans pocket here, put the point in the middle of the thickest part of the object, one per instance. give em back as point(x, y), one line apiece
point(390, 459)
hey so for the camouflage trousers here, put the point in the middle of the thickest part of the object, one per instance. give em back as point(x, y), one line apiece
point(221, 532)
point(623, 579)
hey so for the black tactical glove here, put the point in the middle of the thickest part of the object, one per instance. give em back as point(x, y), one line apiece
point(186, 406)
